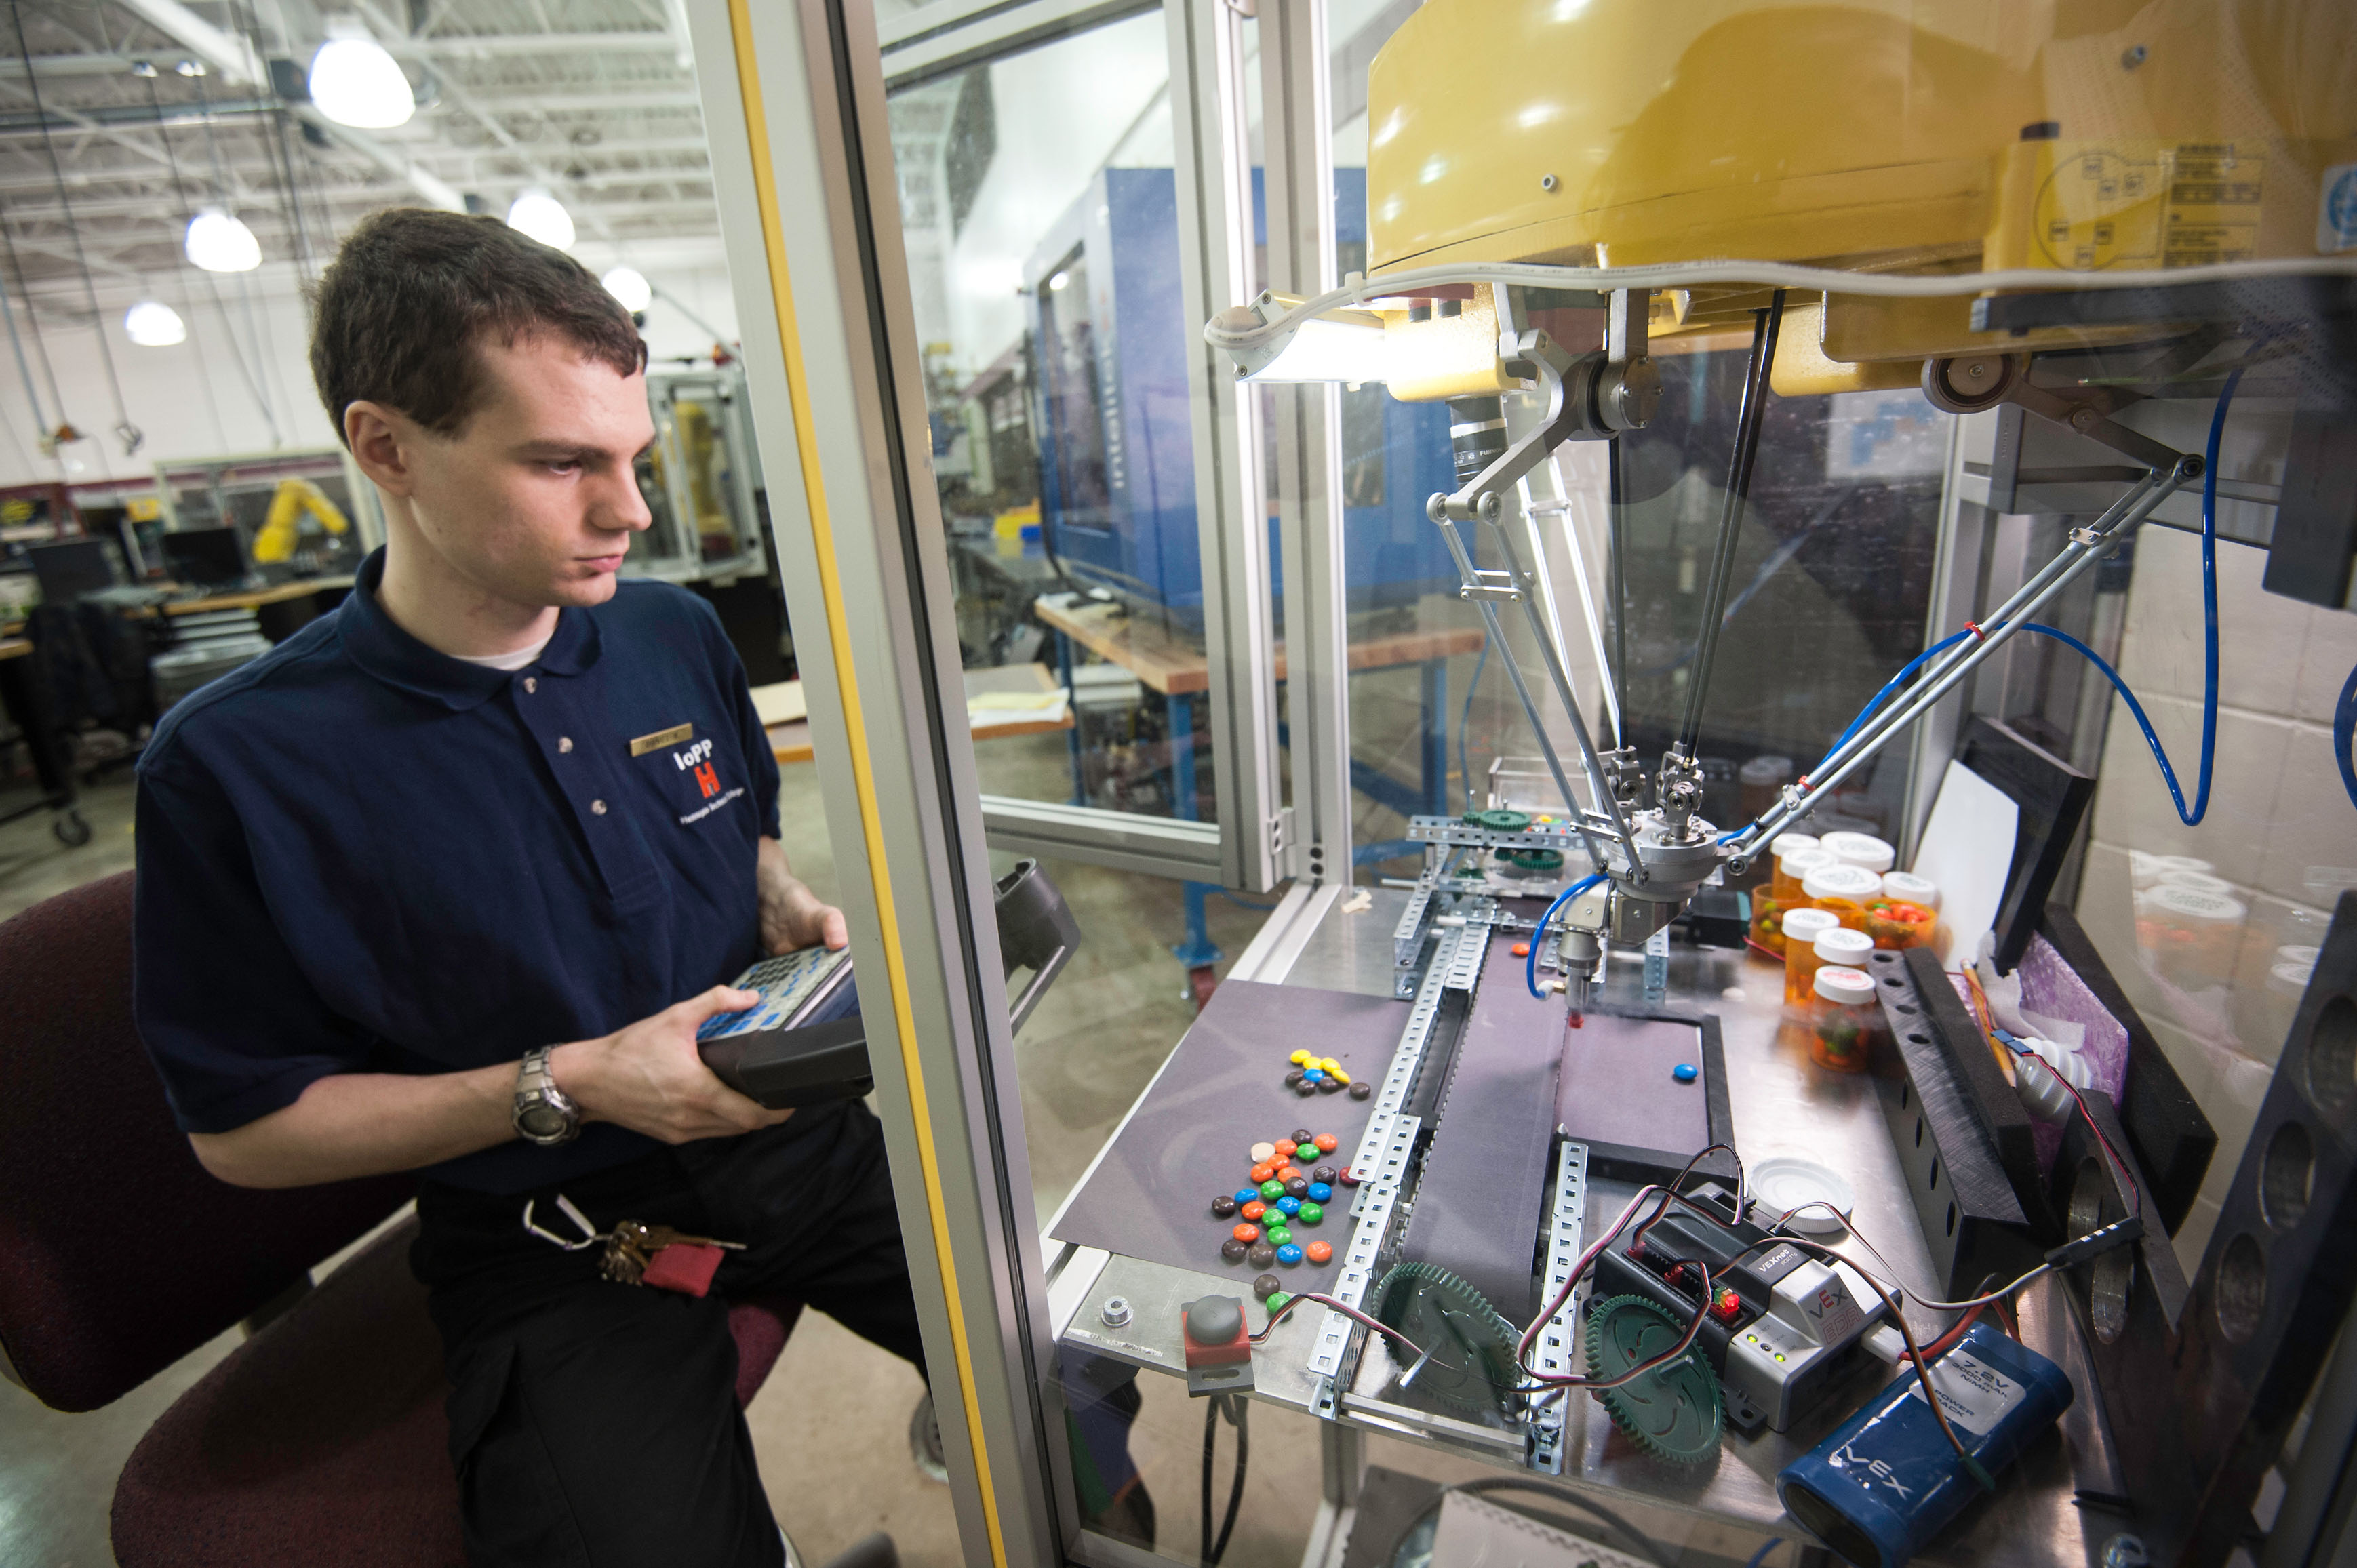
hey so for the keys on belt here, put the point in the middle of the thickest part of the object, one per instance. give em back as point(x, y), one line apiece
point(637, 1254)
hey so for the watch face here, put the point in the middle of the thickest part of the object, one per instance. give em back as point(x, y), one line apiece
point(540, 1122)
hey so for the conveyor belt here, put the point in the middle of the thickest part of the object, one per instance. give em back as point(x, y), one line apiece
point(1483, 1193)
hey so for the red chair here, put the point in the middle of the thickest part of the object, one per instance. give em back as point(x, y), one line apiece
point(322, 1437)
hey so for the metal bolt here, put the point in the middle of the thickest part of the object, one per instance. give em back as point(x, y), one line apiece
point(2134, 56)
point(2085, 419)
point(1116, 1312)
point(1547, 182)
point(2125, 1550)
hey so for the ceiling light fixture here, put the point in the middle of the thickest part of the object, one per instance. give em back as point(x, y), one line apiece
point(631, 287)
point(355, 82)
point(541, 216)
point(152, 324)
point(219, 242)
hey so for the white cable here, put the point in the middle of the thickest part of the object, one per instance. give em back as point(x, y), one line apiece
point(1761, 274)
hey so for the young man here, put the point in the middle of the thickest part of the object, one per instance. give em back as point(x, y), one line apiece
point(447, 882)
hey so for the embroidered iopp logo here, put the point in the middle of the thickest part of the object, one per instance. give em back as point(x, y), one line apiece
point(708, 779)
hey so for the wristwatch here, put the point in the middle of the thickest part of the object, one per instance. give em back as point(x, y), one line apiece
point(544, 1114)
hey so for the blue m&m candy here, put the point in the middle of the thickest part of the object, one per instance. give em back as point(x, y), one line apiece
point(1246, 1194)
point(1288, 1255)
point(1320, 1192)
point(1314, 1075)
point(1290, 1204)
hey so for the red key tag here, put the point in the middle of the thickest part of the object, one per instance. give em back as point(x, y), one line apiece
point(686, 1267)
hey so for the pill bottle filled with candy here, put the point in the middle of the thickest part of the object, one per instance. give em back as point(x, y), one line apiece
point(1843, 890)
point(1844, 1018)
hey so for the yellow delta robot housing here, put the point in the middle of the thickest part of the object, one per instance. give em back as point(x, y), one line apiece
point(1939, 136)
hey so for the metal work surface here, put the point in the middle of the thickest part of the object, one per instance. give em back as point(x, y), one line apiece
point(1221, 1091)
point(1782, 1104)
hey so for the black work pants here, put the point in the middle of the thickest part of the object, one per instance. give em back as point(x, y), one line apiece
point(596, 1423)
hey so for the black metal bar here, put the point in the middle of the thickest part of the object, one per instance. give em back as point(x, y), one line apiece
point(1616, 512)
point(1765, 324)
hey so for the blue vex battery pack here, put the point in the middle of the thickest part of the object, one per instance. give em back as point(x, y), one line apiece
point(1888, 1480)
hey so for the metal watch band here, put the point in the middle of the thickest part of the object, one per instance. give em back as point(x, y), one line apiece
point(543, 1113)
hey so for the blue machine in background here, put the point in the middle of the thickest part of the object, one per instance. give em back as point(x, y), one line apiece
point(1109, 402)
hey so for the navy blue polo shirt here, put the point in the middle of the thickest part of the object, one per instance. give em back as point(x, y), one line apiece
point(358, 855)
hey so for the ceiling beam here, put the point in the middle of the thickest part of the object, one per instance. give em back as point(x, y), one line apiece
point(227, 53)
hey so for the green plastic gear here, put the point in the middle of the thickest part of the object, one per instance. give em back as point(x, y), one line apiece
point(1677, 1411)
point(1532, 859)
point(1472, 1365)
point(1500, 821)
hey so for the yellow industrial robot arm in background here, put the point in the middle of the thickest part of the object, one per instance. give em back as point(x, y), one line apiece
point(282, 529)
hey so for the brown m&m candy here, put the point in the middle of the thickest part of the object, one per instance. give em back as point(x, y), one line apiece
point(1222, 1207)
point(1268, 1286)
point(1361, 1090)
point(1304, 1136)
point(1324, 1174)
point(1233, 1250)
point(1298, 1188)
point(1262, 1255)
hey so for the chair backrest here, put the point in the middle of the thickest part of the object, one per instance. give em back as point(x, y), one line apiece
point(119, 1254)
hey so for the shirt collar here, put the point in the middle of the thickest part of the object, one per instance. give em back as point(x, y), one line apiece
point(392, 655)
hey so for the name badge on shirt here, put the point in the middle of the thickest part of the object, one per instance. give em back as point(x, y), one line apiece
point(660, 738)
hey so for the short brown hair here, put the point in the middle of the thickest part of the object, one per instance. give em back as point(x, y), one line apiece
point(399, 313)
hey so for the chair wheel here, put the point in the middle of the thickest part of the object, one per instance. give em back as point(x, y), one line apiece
point(70, 830)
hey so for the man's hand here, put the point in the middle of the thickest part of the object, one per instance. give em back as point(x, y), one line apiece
point(791, 916)
point(650, 1079)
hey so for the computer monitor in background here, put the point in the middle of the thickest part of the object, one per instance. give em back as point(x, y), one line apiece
point(72, 567)
point(205, 557)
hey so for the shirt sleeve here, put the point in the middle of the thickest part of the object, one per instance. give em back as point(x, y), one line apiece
point(234, 1027)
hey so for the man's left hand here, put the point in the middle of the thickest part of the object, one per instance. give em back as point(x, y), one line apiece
point(791, 916)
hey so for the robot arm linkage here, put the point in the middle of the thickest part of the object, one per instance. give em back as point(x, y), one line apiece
point(1652, 861)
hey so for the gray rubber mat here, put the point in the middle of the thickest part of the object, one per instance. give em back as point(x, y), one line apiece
point(1223, 1091)
point(1619, 1085)
point(1479, 1202)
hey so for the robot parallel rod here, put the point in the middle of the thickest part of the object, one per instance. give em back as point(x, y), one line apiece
point(1513, 673)
point(2099, 532)
point(1561, 678)
point(2058, 575)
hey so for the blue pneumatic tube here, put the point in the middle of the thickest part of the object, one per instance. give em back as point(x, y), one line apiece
point(1888, 1480)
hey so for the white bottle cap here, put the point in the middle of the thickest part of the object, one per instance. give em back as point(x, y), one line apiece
point(1832, 879)
point(2200, 881)
point(1803, 924)
point(1842, 946)
point(1783, 844)
point(1861, 849)
point(2192, 906)
point(1854, 987)
point(1909, 888)
point(2290, 979)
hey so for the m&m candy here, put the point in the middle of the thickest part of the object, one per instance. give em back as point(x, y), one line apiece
point(1253, 1209)
point(1319, 1252)
point(1288, 1255)
point(1289, 1205)
point(1320, 1191)
point(1309, 1213)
